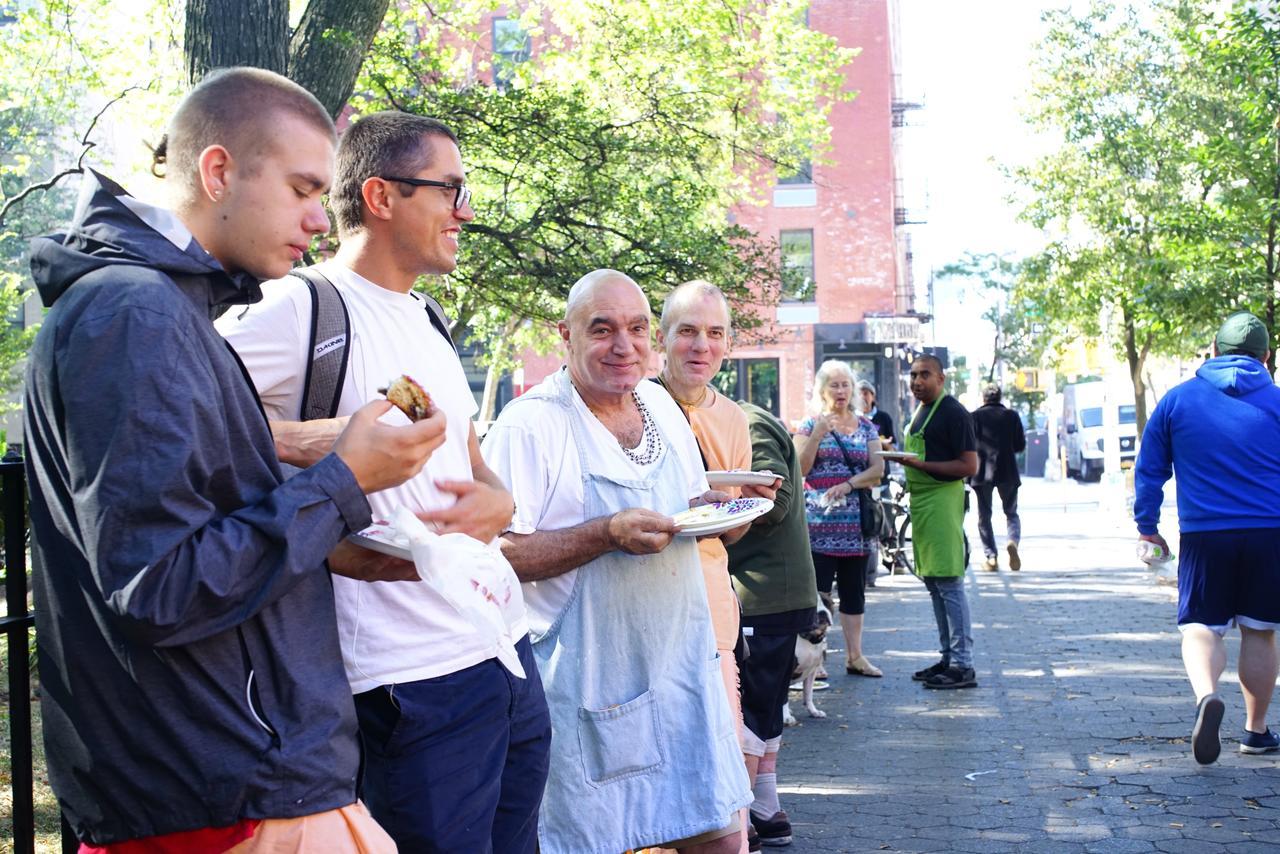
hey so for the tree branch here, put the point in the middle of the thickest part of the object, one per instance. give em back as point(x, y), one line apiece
point(78, 169)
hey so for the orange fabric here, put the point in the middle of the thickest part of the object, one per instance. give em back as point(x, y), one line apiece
point(346, 830)
point(723, 435)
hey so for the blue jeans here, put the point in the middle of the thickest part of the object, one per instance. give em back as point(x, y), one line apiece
point(458, 763)
point(951, 610)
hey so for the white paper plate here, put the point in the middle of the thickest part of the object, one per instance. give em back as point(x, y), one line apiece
point(716, 479)
point(718, 518)
point(379, 538)
point(897, 455)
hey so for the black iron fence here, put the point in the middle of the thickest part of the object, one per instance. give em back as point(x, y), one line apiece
point(17, 625)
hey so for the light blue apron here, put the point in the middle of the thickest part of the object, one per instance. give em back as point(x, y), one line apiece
point(643, 749)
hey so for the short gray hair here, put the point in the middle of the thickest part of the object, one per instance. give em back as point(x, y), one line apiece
point(681, 295)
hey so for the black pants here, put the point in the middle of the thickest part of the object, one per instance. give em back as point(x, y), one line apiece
point(1009, 501)
point(850, 575)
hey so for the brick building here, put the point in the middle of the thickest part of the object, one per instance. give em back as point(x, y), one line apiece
point(844, 233)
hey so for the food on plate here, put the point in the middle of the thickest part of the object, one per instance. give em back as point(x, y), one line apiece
point(411, 398)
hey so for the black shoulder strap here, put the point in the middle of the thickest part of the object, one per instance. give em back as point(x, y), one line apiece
point(438, 320)
point(327, 349)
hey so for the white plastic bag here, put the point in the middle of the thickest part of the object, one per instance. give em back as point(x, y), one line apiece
point(472, 577)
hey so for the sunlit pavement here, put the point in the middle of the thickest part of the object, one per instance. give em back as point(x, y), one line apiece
point(1077, 738)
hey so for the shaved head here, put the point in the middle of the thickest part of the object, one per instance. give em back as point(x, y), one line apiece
point(585, 288)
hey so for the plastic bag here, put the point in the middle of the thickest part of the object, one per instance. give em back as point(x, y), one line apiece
point(472, 577)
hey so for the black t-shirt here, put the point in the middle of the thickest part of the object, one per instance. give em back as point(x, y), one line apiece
point(949, 434)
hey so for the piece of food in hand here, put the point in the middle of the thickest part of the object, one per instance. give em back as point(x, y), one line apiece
point(411, 398)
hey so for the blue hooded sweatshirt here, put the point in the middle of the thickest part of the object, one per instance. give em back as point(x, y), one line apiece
point(1220, 431)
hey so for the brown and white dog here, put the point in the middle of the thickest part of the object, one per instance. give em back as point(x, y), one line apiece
point(811, 648)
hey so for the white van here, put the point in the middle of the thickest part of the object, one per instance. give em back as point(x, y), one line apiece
point(1082, 430)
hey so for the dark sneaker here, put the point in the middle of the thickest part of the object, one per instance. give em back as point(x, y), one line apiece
point(1205, 744)
point(753, 839)
point(953, 677)
point(931, 670)
point(774, 831)
point(1259, 742)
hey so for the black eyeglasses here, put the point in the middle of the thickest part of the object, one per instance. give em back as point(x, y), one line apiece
point(461, 192)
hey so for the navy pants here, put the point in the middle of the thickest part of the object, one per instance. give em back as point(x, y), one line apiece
point(458, 763)
point(1008, 502)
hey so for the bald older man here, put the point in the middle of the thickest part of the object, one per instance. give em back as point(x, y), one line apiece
point(644, 751)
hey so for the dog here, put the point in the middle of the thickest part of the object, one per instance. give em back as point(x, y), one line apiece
point(811, 649)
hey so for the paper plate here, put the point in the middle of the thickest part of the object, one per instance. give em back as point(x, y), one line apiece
point(718, 518)
point(716, 479)
point(380, 538)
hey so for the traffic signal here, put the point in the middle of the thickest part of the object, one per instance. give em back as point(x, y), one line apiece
point(1027, 379)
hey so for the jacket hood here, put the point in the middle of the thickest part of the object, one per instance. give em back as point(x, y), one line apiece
point(110, 227)
point(1235, 375)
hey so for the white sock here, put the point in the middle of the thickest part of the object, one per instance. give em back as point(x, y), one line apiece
point(766, 791)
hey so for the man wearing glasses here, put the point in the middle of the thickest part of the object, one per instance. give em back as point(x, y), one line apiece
point(456, 746)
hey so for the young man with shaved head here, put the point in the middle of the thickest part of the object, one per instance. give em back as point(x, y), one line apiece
point(193, 692)
point(644, 751)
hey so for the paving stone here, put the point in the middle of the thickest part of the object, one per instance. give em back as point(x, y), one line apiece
point(1076, 740)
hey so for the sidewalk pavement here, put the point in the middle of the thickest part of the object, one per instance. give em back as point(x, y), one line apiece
point(1077, 738)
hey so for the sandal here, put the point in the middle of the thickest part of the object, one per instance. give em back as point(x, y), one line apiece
point(862, 667)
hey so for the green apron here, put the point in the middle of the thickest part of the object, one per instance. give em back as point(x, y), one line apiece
point(937, 512)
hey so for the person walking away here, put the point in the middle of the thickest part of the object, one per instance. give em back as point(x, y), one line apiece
point(1219, 435)
point(941, 439)
point(1000, 437)
point(835, 447)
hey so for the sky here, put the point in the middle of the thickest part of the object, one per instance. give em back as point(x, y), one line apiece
point(968, 63)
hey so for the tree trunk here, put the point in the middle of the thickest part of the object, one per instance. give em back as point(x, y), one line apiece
point(222, 33)
point(1136, 357)
point(489, 399)
point(329, 46)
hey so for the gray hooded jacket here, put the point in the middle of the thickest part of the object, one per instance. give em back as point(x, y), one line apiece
point(189, 660)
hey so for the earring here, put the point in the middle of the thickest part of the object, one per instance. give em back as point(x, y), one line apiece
point(217, 194)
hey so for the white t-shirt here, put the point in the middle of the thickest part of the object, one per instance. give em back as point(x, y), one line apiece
point(530, 447)
point(390, 631)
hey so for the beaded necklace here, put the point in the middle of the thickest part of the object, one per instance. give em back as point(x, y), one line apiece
point(650, 445)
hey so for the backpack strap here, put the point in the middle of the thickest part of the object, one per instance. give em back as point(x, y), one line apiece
point(438, 320)
point(330, 338)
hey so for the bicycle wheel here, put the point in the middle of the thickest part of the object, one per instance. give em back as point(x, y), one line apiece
point(905, 556)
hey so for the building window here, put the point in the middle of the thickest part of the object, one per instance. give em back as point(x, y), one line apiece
point(752, 380)
point(510, 48)
point(797, 265)
point(802, 175)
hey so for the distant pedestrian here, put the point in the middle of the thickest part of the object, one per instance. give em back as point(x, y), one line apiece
point(1000, 438)
point(1221, 430)
point(835, 448)
point(941, 438)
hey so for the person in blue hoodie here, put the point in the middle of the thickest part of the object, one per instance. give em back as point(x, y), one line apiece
point(1220, 431)
point(191, 679)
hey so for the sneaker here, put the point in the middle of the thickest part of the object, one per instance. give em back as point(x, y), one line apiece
point(953, 677)
point(1259, 742)
point(991, 564)
point(753, 839)
point(931, 670)
point(1015, 562)
point(1205, 744)
point(774, 831)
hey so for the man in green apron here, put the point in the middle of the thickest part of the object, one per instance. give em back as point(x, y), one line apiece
point(941, 437)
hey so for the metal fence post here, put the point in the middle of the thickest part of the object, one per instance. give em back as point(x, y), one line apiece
point(17, 625)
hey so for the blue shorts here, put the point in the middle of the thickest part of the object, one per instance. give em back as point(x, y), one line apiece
point(1228, 578)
